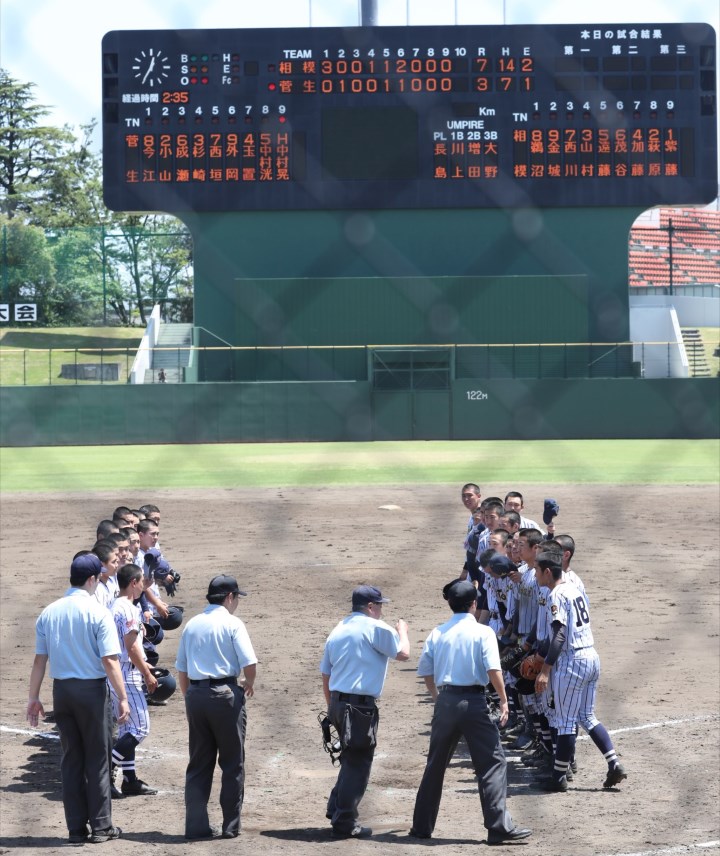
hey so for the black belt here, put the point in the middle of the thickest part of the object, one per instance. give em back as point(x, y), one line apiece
point(352, 697)
point(457, 690)
point(214, 682)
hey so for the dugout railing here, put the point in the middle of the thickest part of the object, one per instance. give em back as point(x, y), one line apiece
point(389, 367)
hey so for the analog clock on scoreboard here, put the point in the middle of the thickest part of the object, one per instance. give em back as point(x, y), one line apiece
point(409, 117)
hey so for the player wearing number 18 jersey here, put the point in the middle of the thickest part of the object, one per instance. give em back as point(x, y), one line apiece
point(572, 667)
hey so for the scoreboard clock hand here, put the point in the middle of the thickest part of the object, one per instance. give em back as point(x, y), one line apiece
point(150, 68)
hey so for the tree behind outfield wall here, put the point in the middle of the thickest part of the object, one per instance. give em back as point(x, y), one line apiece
point(87, 276)
point(31, 153)
point(153, 257)
point(27, 268)
point(95, 266)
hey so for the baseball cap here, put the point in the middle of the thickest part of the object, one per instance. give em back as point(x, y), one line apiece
point(152, 556)
point(550, 509)
point(460, 593)
point(363, 595)
point(501, 565)
point(223, 584)
point(86, 566)
point(162, 566)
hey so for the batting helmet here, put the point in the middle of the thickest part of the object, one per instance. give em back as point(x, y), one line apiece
point(166, 684)
point(153, 631)
point(151, 655)
point(174, 618)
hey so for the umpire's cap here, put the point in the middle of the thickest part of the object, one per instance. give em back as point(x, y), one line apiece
point(224, 585)
point(460, 594)
point(86, 566)
point(363, 595)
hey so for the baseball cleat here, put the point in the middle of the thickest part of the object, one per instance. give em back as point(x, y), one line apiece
point(523, 741)
point(615, 775)
point(551, 786)
point(529, 758)
point(137, 788)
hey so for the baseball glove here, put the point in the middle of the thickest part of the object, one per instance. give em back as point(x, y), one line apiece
point(531, 666)
point(511, 658)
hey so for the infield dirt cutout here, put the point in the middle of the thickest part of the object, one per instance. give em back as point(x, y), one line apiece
point(649, 560)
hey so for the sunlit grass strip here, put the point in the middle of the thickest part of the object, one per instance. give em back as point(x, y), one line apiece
point(77, 468)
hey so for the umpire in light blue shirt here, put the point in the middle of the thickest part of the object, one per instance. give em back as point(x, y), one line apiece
point(214, 650)
point(459, 658)
point(77, 637)
point(353, 669)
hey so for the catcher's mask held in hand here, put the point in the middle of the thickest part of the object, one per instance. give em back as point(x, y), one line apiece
point(331, 739)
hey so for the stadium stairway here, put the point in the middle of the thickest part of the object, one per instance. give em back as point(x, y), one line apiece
point(695, 349)
point(171, 354)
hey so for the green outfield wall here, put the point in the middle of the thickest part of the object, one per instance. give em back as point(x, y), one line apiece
point(355, 411)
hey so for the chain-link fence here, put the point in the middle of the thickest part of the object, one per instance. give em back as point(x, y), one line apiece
point(388, 367)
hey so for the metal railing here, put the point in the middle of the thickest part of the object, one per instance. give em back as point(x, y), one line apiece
point(81, 366)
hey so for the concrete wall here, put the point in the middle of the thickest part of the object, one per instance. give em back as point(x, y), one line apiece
point(659, 324)
point(691, 311)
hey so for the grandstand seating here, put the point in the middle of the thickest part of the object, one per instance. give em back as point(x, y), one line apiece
point(693, 240)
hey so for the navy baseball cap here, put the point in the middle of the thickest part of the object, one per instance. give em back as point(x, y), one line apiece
point(501, 565)
point(162, 567)
point(363, 595)
point(460, 593)
point(152, 556)
point(551, 509)
point(86, 566)
point(224, 585)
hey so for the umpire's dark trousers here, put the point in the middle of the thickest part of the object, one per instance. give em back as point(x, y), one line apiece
point(81, 714)
point(355, 766)
point(459, 712)
point(217, 720)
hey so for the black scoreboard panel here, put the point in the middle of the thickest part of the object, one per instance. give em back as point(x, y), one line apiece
point(409, 117)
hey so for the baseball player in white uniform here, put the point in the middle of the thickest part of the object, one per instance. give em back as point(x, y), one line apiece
point(572, 669)
point(135, 670)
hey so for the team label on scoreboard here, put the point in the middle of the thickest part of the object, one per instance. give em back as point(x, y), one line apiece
point(409, 117)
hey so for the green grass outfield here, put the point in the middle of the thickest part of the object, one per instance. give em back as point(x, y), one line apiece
point(77, 468)
point(35, 355)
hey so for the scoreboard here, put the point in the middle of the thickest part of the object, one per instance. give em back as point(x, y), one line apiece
point(409, 117)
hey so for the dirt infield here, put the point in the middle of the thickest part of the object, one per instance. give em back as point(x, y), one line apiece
point(649, 560)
